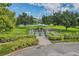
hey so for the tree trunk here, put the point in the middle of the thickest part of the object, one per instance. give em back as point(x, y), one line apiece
point(66, 28)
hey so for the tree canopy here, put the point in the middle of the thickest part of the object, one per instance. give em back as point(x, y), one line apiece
point(5, 4)
point(24, 19)
point(7, 18)
point(65, 18)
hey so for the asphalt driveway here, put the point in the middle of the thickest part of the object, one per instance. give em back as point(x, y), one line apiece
point(58, 49)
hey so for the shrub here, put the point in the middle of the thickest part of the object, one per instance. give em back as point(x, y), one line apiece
point(55, 36)
point(8, 47)
point(65, 36)
point(71, 36)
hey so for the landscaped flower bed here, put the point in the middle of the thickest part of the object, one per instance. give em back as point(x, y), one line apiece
point(21, 42)
point(65, 37)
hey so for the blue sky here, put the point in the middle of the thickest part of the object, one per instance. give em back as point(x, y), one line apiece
point(34, 10)
point(38, 10)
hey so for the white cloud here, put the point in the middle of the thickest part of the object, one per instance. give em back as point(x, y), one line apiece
point(65, 8)
point(76, 5)
point(50, 7)
point(36, 4)
point(55, 7)
point(28, 12)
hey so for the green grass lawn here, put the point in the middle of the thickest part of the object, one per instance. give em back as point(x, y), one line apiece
point(21, 34)
point(59, 34)
point(62, 28)
point(21, 39)
point(59, 31)
point(16, 32)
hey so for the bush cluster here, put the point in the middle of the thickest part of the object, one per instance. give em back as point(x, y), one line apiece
point(55, 36)
point(21, 42)
point(8, 38)
point(71, 36)
point(63, 36)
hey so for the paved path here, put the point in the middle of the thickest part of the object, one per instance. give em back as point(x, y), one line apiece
point(59, 49)
point(42, 39)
